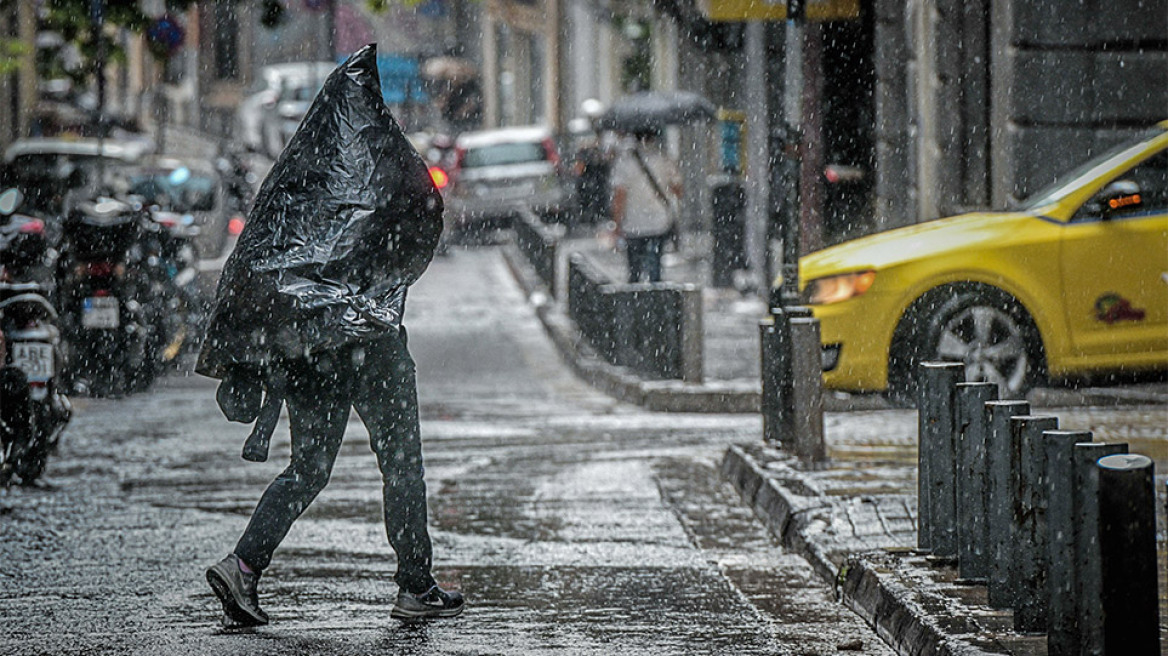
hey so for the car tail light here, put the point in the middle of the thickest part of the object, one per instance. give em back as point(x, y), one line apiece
point(34, 227)
point(101, 270)
point(235, 226)
point(439, 177)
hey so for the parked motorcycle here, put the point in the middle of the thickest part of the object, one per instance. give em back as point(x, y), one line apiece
point(33, 408)
point(176, 298)
point(238, 178)
point(107, 297)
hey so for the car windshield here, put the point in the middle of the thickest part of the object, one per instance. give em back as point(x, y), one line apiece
point(302, 93)
point(1075, 178)
point(504, 154)
point(175, 191)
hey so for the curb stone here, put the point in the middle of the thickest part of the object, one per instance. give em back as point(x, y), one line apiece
point(919, 608)
point(915, 604)
point(786, 514)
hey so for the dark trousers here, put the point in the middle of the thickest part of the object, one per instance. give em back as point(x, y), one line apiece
point(644, 255)
point(378, 380)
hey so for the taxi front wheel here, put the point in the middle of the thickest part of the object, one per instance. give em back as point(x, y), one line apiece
point(980, 326)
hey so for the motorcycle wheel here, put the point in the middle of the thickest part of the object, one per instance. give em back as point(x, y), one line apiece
point(35, 458)
point(25, 440)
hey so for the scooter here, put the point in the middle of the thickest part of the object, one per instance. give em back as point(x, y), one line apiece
point(105, 296)
point(33, 409)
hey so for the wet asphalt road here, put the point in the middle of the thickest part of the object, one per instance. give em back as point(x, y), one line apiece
point(573, 524)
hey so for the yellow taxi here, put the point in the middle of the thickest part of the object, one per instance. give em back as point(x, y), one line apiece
point(1075, 281)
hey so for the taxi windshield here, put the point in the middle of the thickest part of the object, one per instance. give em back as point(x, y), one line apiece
point(1075, 178)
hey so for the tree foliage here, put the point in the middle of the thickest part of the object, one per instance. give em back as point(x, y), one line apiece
point(71, 20)
point(75, 53)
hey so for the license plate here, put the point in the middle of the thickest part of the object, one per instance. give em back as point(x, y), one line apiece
point(35, 358)
point(99, 312)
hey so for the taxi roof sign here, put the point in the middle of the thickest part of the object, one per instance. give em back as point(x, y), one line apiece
point(750, 10)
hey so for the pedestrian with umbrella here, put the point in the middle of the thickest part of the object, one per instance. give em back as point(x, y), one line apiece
point(646, 192)
point(309, 311)
point(646, 183)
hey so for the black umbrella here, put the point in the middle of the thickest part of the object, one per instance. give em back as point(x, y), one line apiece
point(654, 109)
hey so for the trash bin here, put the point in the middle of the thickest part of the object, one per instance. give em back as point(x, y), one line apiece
point(729, 204)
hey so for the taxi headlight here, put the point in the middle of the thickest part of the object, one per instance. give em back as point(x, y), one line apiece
point(833, 289)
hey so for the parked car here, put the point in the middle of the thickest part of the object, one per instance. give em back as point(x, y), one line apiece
point(1073, 282)
point(283, 117)
point(262, 99)
point(496, 172)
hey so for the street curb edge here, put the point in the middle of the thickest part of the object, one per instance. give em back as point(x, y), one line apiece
point(861, 583)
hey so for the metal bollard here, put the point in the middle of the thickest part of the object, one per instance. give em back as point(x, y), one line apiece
point(1030, 609)
point(1127, 546)
point(936, 499)
point(1059, 447)
point(776, 403)
point(807, 390)
point(1088, 590)
point(972, 533)
point(1001, 463)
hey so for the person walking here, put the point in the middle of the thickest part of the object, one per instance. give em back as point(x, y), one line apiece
point(308, 312)
point(646, 190)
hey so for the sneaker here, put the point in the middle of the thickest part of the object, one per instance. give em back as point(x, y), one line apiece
point(237, 592)
point(434, 602)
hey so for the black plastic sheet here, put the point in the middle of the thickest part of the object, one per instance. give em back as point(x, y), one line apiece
point(345, 221)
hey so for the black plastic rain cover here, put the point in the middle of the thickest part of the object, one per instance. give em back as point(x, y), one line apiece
point(347, 218)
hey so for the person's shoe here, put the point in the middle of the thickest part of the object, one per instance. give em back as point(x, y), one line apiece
point(237, 592)
point(434, 602)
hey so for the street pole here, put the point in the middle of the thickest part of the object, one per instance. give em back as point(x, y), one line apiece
point(793, 111)
point(758, 158)
point(97, 18)
point(330, 15)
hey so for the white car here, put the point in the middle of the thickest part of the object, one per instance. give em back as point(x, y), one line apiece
point(263, 96)
point(282, 120)
point(497, 172)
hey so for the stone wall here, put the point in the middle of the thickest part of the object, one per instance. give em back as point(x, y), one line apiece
point(980, 103)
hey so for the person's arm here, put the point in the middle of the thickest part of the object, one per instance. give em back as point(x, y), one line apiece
point(675, 185)
point(620, 197)
point(617, 177)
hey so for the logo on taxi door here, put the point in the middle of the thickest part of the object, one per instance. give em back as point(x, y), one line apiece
point(1112, 308)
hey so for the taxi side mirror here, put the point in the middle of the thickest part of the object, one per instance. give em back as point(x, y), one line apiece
point(1119, 197)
